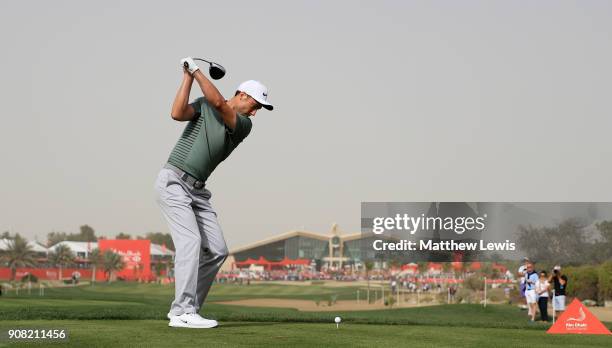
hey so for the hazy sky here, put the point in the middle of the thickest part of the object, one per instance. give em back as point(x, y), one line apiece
point(374, 101)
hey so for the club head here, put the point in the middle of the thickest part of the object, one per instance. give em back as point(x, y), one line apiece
point(216, 71)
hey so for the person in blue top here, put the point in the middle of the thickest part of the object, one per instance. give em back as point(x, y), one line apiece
point(531, 278)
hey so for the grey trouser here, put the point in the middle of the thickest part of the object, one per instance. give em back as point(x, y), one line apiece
point(197, 236)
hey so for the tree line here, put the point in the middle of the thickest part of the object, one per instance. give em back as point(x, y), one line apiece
point(570, 242)
point(20, 254)
point(88, 234)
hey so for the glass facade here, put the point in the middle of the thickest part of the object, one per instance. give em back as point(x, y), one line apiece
point(361, 250)
point(352, 250)
point(303, 247)
point(274, 251)
point(306, 248)
point(298, 247)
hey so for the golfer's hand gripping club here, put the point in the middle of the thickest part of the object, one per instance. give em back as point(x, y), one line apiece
point(189, 64)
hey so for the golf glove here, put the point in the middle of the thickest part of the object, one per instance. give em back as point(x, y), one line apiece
point(189, 64)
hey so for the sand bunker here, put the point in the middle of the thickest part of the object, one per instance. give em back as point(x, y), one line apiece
point(602, 313)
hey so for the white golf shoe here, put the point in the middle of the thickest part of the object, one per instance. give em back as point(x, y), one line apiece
point(191, 320)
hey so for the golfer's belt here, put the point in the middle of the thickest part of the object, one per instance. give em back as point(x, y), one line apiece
point(186, 177)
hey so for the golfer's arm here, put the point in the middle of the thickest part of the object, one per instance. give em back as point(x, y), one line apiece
point(215, 99)
point(181, 110)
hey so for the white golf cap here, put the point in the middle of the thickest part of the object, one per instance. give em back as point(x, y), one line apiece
point(257, 91)
point(557, 268)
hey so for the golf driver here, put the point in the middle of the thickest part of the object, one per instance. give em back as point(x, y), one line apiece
point(215, 70)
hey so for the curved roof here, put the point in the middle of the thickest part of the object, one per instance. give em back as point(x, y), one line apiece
point(280, 237)
point(295, 233)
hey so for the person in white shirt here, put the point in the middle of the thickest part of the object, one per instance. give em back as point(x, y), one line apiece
point(522, 286)
point(531, 277)
point(541, 288)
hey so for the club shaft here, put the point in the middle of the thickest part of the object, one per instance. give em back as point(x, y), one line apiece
point(204, 60)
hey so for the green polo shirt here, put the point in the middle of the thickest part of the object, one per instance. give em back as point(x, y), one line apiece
point(207, 141)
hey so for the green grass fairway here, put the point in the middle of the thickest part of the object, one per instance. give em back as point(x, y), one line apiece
point(155, 333)
point(219, 292)
point(130, 314)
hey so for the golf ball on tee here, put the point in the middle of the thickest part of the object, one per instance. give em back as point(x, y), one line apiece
point(338, 320)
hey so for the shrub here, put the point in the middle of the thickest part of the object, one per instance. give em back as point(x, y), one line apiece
point(515, 295)
point(496, 295)
point(29, 278)
point(582, 282)
point(474, 282)
point(442, 297)
point(390, 301)
point(426, 299)
point(463, 296)
point(605, 281)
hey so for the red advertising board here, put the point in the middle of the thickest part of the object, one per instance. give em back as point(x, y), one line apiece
point(136, 255)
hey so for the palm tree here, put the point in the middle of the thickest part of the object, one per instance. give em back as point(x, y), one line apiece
point(112, 262)
point(95, 259)
point(369, 265)
point(18, 254)
point(62, 255)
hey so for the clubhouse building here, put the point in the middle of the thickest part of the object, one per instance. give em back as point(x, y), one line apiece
point(333, 250)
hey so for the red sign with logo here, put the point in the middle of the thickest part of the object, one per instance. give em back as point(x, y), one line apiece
point(136, 255)
point(577, 319)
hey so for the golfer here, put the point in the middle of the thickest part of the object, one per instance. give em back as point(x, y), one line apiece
point(215, 127)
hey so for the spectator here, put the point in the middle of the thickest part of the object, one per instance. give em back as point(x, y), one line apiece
point(531, 277)
point(452, 291)
point(559, 281)
point(542, 286)
point(522, 286)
